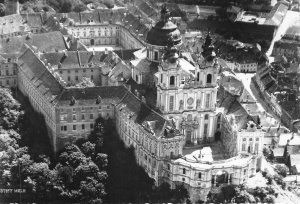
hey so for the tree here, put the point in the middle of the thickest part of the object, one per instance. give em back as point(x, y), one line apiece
point(2, 9)
point(80, 7)
point(85, 82)
point(281, 170)
point(88, 149)
point(101, 160)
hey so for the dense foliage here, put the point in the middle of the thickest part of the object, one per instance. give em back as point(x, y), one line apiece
point(63, 6)
point(239, 194)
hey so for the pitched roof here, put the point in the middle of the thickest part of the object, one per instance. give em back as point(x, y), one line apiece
point(145, 116)
point(44, 42)
point(275, 17)
point(36, 71)
point(91, 93)
point(74, 59)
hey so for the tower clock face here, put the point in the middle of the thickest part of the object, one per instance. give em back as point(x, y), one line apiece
point(190, 101)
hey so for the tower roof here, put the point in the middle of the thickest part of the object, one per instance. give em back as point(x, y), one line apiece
point(208, 48)
point(163, 30)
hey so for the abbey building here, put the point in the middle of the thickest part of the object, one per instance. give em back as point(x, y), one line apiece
point(183, 127)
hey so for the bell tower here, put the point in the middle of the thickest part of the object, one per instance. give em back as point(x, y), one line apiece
point(187, 94)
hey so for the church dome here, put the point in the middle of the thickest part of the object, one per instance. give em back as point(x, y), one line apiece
point(163, 31)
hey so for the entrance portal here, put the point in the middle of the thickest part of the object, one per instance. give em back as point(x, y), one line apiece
point(92, 42)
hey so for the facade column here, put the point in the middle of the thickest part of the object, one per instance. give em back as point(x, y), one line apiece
point(201, 126)
point(215, 180)
point(229, 175)
point(211, 126)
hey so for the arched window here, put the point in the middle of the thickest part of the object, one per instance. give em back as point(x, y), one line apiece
point(172, 80)
point(208, 78)
point(137, 78)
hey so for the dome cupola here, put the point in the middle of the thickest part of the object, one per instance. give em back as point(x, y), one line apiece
point(163, 30)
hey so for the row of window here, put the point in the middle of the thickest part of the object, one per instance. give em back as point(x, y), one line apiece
point(172, 79)
point(7, 82)
point(7, 73)
point(76, 71)
point(171, 102)
point(64, 128)
point(184, 172)
point(83, 109)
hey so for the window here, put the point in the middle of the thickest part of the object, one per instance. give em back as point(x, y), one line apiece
point(244, 147)
point(161, 78)
point(92, 77)
point(76, 78)
point(69, 78)
point(171, 104)
point(169, 166)
point(183, 170)
point(256, 148)
point(199, 175)
point(7, 82)
point(99, 107)
point(69, 71)
point(205, 130)
point(83, 126)
point(198, 76)
point(82, 117)
point(74, 117)
point(155, 55)
point(91, 116)
point(206, 117)
point(245, 171)
point(74, 127)
point(7, 73)
point(207, 102)
point(208, 78)
point(172, 80)
point(92, 125)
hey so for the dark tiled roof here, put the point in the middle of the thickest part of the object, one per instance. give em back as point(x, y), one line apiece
point(92, 93)
point(38, 74)
point(74, 58)
point(126, 54)
point(233, 107)
point(44, 42)
point(145, 116)
point(33, 19)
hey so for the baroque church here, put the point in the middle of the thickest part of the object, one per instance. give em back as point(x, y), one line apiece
point(185, 93)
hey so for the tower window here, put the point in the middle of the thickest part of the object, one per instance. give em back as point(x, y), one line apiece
point(206, 116)
point(207, 102)
point(155, 55)
point(172, 80)
point(208, 78)
point(171, 108)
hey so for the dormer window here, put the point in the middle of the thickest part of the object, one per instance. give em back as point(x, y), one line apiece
point(73, 101)
point(98, 100)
